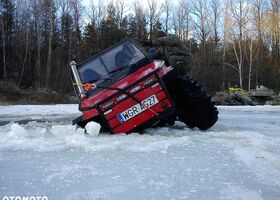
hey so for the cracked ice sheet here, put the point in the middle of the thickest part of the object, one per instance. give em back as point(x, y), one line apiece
point(236, 159)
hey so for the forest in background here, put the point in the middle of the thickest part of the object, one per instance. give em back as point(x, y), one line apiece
point(233, 42)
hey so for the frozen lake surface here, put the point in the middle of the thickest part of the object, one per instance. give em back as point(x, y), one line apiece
point(42, 154)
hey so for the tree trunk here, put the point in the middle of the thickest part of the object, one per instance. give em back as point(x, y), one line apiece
point(250, 65)
point(224, 65)
point(49, 51)
point(240, 65)
point(25, 58)
point(4, 51)
point(239, 62)
point(38, 78)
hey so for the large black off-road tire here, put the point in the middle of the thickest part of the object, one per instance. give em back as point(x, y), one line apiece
point(193, 106)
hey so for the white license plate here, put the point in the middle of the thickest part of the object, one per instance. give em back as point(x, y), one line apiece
point(137, 108)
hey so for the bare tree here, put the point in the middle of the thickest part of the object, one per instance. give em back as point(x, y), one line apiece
point(140, 20)
point(181, 20)
point(227, 24)
point(36, 15)
point(77, 12)
point(251, 59)
point(240, 15)
point(22, 14)
point(65, 15)
point(96, 12)
point(167, 7)
point(6, 26)
point(154, 12)
point(215, 12)
point(202, 27)
point(258, 10)
point(96, 15)
point(77, 8)
point(50, 37)
point(4, 48)
point(250, 50)
point(201, 20)
point(274, 29)
point(121, 9)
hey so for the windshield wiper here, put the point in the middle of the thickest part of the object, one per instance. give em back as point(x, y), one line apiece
point(92, 81)
point(101, 78)
point(118, 69)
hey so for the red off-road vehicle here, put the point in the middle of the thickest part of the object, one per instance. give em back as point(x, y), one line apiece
point(125, 91)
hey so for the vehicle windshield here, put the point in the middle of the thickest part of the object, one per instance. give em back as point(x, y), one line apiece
point(111, 61)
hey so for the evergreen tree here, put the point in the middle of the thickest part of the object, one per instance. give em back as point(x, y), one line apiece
point(90, 40)
point(137, 27)
point(110, 32)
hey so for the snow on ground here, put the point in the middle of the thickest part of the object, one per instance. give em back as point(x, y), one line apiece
point(37, 112)
point(41, 153)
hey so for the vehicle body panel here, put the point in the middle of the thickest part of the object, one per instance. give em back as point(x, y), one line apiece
point(114, 98)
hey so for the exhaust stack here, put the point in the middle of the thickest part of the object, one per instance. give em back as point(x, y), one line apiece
point(77, 79)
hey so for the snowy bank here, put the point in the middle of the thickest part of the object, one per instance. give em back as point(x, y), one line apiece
point(238, 158)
